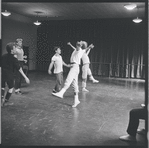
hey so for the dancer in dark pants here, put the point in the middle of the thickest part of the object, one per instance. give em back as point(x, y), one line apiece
point(134, 116)
point(20, 56)
point(9, 63)
point(58, 63)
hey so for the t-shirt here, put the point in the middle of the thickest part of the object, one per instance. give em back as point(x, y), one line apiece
point(76, 56)
point(19, 53)
point(58, 63)
point(9, 63)
point(85, 59)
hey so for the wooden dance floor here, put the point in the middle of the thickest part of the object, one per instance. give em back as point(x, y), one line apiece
point(39, 119)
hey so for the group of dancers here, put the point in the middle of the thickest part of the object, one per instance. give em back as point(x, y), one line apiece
point(12, 63)
point(81, 51)
point(12, 70)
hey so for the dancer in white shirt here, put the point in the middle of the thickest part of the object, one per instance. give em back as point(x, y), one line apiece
point(72, 77)
point(86, 71)
point(58, 63)
point(20, 56)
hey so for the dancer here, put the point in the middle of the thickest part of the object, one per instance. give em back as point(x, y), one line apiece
point(58, 63)
point(86, 71)
point(20, 56)
point(9, 63)
point(72, 77)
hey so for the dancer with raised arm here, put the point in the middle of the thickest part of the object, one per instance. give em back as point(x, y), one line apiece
point(86, 71)
point(72, 77)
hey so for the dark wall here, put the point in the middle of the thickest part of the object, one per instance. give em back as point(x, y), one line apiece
point(12, 29)
point(117, 41)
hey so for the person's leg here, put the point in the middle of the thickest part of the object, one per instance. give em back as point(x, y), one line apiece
point(84, 76)
point(91, 76)
point(2, 91)
point(18, 80)
point(8, 95)
point(59, 81)
point(72, 73)
point(76, 91)
point(56, 88)
point(3, 88)
point(134, 116)
point(21, 77)
point(10, 84)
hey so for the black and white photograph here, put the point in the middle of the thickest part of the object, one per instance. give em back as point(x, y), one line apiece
point(74, 73)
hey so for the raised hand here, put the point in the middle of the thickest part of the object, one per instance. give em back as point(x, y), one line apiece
point(91, 46)
point(25, 56)
point(27, 80)
point(68, 43)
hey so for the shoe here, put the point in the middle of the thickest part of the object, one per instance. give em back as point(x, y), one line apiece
point(76, 103)
point(84, 89)
point(128, 138)
point(8, 103)
point(95, 81)
point(141, 131)
point(57, 95)
point(54, 91)
point(18, 93)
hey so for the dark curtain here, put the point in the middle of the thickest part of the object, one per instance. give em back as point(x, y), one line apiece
point(119, 45)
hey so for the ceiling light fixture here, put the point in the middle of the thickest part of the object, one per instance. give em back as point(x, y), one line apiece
point(130, 6)
point(137, 20)
point(37, 22)
point(6, 13)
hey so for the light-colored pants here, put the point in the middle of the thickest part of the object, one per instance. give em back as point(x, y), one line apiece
point(86, 71)
point(72, 78)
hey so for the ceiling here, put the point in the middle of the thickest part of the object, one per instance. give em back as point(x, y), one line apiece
point(73, 11)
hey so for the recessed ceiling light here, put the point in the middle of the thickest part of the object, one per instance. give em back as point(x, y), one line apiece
point(37, 23)
point(130, 6)
point(137, 20)
point(6, 13)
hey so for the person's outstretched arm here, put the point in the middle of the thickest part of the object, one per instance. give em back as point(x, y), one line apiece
point(67, 65)
point(88, 51)
point(71, 45)
point(89, 47)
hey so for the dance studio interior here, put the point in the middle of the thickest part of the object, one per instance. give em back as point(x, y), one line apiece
point(118, 62)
